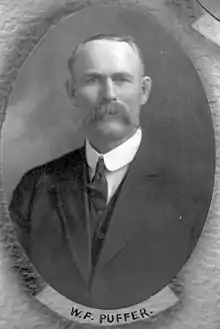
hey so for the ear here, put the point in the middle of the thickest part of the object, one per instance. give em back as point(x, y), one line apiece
point(145, 89)
point(70, 90)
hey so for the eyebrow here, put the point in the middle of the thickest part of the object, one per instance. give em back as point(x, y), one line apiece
point(100, 75)
point(92, 74)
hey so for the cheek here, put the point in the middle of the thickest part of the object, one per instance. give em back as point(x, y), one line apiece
point(132, 98)
point(88, 95)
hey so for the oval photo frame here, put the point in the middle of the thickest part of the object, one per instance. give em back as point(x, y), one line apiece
point(167, 129)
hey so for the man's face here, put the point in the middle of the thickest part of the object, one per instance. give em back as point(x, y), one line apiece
point(104, 72)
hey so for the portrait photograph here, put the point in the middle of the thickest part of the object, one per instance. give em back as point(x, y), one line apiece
point(108, 159)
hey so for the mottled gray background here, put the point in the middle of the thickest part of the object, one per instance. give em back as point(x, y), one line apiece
point(200, 304)
point(41, 124)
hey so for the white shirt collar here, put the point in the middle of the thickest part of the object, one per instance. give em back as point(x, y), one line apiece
point(117, 158)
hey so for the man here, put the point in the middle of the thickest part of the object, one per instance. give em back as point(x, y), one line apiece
point(106, 225)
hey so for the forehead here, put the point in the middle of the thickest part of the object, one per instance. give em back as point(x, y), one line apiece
point(106, 56)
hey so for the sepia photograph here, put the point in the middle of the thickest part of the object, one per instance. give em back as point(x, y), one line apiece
point(108, 158)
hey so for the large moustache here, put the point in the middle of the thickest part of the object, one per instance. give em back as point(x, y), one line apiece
point(111, 108)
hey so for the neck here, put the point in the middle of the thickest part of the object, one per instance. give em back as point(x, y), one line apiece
point(104, 145)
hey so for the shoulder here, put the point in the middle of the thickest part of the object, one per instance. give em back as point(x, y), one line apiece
point(61, 164)
point(56, 167)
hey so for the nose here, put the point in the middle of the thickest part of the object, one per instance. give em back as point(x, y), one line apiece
point(108, 92)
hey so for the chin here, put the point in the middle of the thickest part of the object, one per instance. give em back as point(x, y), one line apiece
point(112, 129)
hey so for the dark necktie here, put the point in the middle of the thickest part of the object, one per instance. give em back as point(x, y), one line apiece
point(98, 189)
point(98, 192)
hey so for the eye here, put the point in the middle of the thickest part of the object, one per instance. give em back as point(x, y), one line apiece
point(122, 79)
point(92, 80)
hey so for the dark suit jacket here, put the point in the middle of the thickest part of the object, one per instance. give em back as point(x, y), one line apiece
point(155, 224)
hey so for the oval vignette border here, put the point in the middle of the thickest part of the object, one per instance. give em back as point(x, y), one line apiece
point(24, 40)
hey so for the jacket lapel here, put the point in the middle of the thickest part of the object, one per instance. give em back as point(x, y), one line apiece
point(72, 208)
point(136, 195)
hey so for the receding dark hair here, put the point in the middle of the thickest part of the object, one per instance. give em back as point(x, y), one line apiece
point(112, 37)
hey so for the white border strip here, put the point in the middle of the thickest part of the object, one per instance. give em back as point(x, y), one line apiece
point(82, 314)
point(208, 27)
